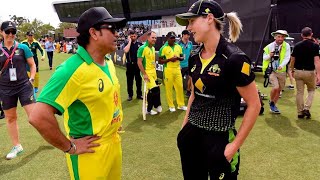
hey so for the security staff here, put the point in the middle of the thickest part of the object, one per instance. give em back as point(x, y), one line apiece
point(304, 60)
point(133, 71)
point(221, 75)
point(278, 53)
point(33, 46)
point(170, 55)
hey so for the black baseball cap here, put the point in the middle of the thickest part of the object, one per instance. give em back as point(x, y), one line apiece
point(185, 32)
point(8, 25)
point(171, 34)
point(30, 33)
point(98, 15)
point(200, 8)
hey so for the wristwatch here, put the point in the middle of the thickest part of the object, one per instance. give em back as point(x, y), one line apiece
point(72, 146)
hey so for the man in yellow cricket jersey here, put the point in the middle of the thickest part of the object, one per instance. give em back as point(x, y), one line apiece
point(33, 46)
point(147, 65)
point(170, 55)
point(86, 90)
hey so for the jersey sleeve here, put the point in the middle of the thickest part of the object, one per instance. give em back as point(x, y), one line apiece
point(27, 51)
point(162, 53)
point(140, 52)
point(40, 48)
point(239, 70)
point(62, 89)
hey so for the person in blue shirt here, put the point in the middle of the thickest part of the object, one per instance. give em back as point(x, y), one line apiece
point(49, 46)
point(186, 46)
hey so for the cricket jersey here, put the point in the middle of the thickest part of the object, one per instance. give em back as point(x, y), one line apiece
point(88, 95)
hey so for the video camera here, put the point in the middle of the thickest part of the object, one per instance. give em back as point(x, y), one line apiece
point(276, 52)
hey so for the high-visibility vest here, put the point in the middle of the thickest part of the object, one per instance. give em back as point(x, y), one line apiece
point(283, 52)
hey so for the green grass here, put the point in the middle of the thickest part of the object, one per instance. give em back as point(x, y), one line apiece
point(279, 146)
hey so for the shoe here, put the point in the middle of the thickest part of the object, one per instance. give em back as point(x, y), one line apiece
point(301, 116)
point(183, 108)
point(307, 113)
point(15, 151)
point(129, 98)
point(172, 109)
point(159, 109)
point(152, 112)
point(36, 90)
point(291, 87)
point(50, 68)
point(274, 109)
point(140, 97)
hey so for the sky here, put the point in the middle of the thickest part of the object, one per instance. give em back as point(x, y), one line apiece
point(42, 10)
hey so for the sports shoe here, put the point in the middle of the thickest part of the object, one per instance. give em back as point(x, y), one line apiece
point(152, 112)
point(140, 97)
point(291, 87)
point(172, 109)
point(183, 108)
point(274, 109)
point(159, 109)
point(15, 151)
point(36, 90)
point(129, 98)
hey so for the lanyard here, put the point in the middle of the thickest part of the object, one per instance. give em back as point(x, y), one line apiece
point(8, 56)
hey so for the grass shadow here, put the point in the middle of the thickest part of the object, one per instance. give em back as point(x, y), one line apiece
point(9, 168)
point(127, 104)
point(160, 121)
point(282, 125)
point(311, 126)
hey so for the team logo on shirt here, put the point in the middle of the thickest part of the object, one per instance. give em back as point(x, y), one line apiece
point(100, 85)
point(214, 70)
point(246, 69)
point(221, 176)
point(193, 68)
point(115, 99)
point(17, 52)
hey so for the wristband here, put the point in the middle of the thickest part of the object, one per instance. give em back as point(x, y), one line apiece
point(72, 145)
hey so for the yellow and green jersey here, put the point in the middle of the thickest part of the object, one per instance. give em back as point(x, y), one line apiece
point(33, 46)
point(148, 57)
point(167, 52)
point(87, 94)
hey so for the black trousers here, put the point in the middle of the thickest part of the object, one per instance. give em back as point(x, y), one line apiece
point(202, 154)
point(133, 72)
point(50, 57)
point(153, 98)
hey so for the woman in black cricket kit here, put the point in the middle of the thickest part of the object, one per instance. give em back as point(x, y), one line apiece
point(221, 74)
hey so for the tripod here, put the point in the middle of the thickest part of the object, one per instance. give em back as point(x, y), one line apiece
point(272, 19)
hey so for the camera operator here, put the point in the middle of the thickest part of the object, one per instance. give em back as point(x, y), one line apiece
point(278, 53)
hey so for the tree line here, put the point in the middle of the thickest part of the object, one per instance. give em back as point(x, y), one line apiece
point(39, 28)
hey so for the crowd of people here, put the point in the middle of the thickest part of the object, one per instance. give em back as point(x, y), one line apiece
point(86, 90)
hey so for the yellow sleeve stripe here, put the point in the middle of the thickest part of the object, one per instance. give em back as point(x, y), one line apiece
point(245, 68)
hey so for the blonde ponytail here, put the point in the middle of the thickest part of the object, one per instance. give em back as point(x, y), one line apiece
point(235, 26)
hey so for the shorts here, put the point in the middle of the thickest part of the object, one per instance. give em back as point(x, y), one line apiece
point(278, 79)
point(104, 163)
point(23, 93)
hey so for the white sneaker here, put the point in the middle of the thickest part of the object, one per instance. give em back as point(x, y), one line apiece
point(172, 109)
point(159, 109)
point(15, 151)
point(152, 112)
point(183, 108)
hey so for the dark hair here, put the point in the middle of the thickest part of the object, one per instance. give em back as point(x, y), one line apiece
point(306, 32)
point(83, 39)
point(132, 32)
